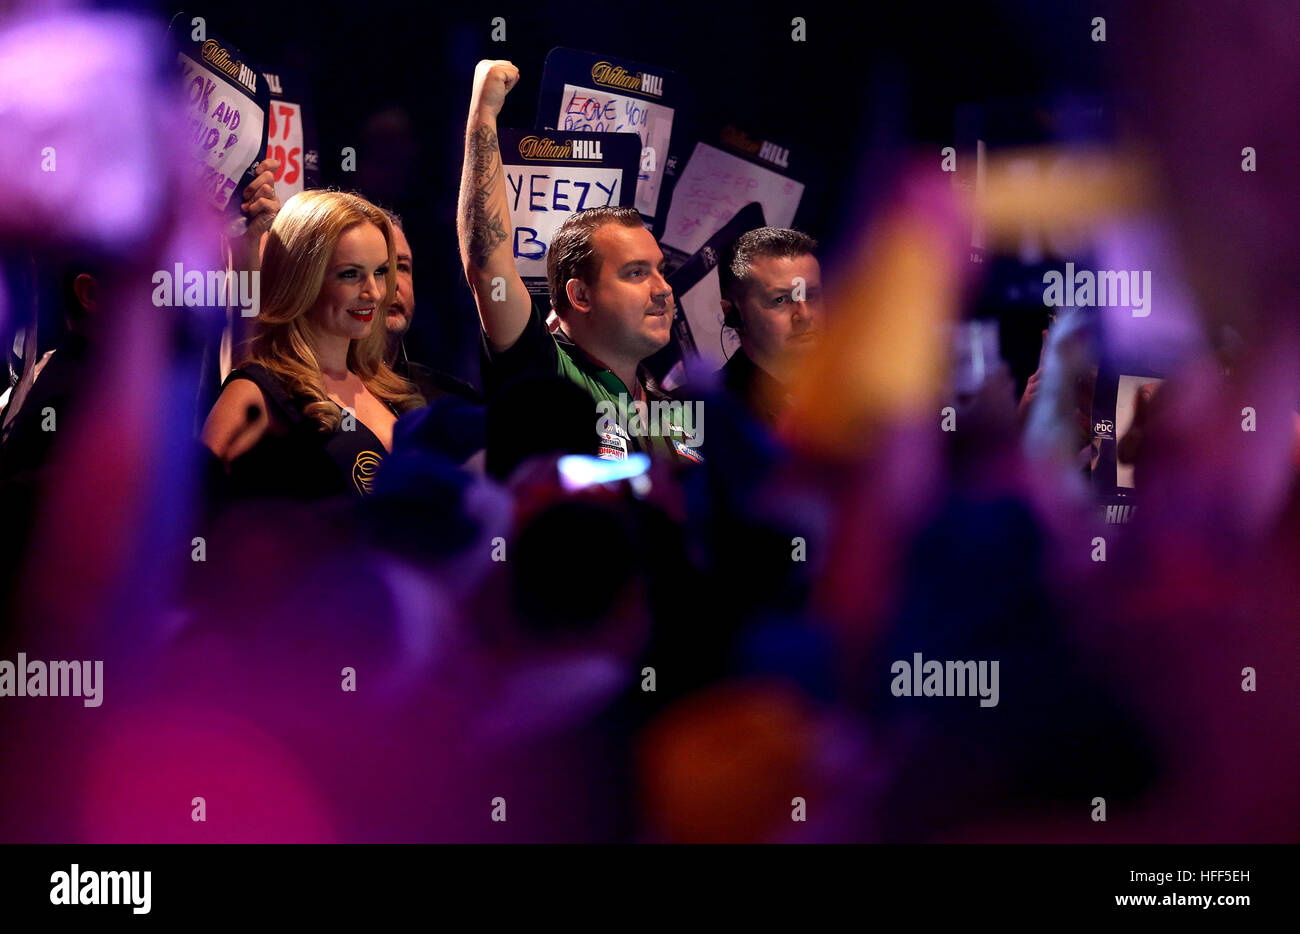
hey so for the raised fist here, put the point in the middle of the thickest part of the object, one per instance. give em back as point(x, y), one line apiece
point(492, 82)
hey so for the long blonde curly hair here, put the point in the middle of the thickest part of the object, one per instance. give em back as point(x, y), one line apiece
point(297, 254)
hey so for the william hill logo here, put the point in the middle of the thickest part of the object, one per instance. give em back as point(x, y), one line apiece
point(759, 149)
point(616, 76)
point(771, 152)
point(220, 59)
point(575, 150)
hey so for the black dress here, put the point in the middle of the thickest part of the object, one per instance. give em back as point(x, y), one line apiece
point(304, 462)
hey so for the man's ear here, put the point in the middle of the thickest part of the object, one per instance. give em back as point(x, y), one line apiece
point(579, 295)
point(731, 316)
point(86, 291)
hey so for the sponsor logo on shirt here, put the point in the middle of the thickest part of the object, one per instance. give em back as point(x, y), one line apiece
point(689, 453)
point(363, 471)
point(673, 420)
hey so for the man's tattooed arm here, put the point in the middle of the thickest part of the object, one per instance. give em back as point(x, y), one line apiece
point(483, 226)
point(482, 229)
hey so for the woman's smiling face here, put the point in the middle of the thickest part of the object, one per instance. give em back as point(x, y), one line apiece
point(354, 285)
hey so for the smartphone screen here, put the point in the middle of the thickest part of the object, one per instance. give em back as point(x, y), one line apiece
point(578, 471)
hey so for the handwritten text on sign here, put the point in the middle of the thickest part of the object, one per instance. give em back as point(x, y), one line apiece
point(284, 144)
point(541, 197)
point(222, 127)
point(714, 187)
point(603, 112)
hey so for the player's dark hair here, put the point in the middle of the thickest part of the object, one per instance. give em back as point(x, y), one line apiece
point(572, 255)
point(765, 242)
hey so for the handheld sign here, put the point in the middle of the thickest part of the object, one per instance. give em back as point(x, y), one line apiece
point(290, 137)
point(1127, 385)
point(1120, 407)
point(225, 100)
point(699, 343)
point(587, 92)
point(715, 185)
point(550, 175)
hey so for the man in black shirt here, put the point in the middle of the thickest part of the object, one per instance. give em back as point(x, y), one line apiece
point(772, 298)
point(31, 418)
point(432, 384)
point(607, 289)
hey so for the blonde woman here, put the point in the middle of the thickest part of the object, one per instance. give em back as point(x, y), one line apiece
point(311, 411)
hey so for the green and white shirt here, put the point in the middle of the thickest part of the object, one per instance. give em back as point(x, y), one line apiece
point(660, 425)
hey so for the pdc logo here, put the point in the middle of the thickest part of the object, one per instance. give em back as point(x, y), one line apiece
point(1104, 428)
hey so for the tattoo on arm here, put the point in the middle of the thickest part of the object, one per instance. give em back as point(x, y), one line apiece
point(484, 228)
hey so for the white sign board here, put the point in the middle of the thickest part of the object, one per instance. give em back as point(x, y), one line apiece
point(714, 186)
point(607, 112)
point(284, 144)
point(542, 196)
point(223, 128)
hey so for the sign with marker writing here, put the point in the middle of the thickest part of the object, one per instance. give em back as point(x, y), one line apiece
point(289, 138)
point(550, 175)
point(700, 344)
point(582, 91)
point(225, 100)
point(714, 186)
